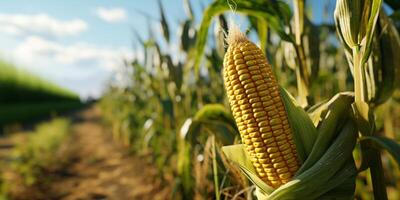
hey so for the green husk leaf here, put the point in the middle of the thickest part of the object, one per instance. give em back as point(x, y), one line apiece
point(303, 129)
point(325, 174)
point(383, 67)
point(238, 155)
point(337, 113)
point(371, 24)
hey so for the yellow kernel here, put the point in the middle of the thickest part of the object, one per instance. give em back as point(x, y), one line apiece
point(251, 121)
point(249, 85)
point(260, 114)
point(279, 165)
point(243, 71)
point(267, 103)
point(257, 104)
point(263, 93)
point(256, 77)
point(280, 137)
point(276, 127)
point(282, 170)
point(258, 144)
point(240, 96)
point(254, 134)
point(284, 147)
point(261, 155)
point(237, 56)
point(288, 156)
point(252, 68)
point(262, 124)
point(254, 100)
point(254, 72)
point(267, 165)
point(246, 116)
point(269, 140)
point(262, 87)
point(273, 178)
point(252, 95)
point(251, 90)
point(245, 106)
point(277, 159)
point(272, 150)
point(285, 175)
point(249, 57)
point(276, 183)
point(258, 110)
point(247, 141)
point(239, 91)
point(241, 66)
point(266, 98)
point(261, 174)
point(239, 61)
point(277, 132)
point(270, 171)
point(259, 82)
point(252, 129)
point(245, 53)
point(256, 139)
point(274, 155)
point(262, 119)
point(251, 62)
point(260, 149)
point(244, 76)
point(274, 121)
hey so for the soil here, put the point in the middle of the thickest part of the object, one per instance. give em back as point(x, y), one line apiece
point(98, 168)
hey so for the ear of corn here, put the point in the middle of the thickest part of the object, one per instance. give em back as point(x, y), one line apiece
point(259, 112)
point(278, 135)
point(329, 170)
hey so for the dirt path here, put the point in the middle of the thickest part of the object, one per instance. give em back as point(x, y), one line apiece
point(100, 168)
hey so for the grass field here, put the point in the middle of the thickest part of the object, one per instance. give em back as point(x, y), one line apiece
point(24, 96)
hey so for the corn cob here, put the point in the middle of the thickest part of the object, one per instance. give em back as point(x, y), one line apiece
point(258, 110)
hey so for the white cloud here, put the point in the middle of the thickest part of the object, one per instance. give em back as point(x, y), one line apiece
point(81, 54)
point(18, 24)
point(81, 67)
point(111, 14)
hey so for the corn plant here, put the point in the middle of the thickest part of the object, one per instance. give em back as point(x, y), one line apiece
point(273, 157)
point(175, 109)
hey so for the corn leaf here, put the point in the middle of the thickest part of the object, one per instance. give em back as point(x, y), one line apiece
point(383, 143)
point(271, 11)
point(215, 118)
point(163, 21)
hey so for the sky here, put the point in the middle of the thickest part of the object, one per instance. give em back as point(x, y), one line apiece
point(80, 44)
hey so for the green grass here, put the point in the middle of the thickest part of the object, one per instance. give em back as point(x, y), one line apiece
point(22, 112)
point(36, 152)
point(24, 96)
point(17, 85)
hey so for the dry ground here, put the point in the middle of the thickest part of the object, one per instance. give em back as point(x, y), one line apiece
point(99, 168)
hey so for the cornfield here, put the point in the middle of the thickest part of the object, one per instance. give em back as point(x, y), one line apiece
point(250, 100)
point(313, 104)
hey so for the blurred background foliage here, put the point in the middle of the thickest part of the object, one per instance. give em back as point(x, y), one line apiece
point(173, 108)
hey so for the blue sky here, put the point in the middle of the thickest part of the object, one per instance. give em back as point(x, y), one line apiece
point(79, 44)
